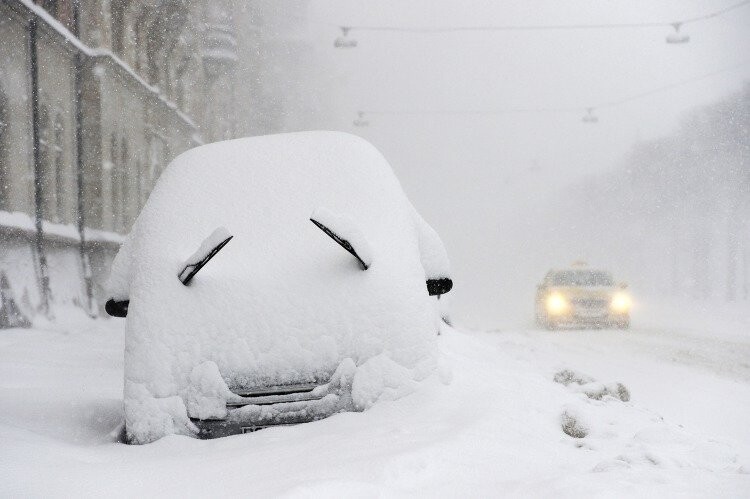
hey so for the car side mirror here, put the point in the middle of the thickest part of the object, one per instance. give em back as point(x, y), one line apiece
point(437, 287)
point(117, 308)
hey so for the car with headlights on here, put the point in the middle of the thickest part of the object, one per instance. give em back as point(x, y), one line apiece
point(582, 297)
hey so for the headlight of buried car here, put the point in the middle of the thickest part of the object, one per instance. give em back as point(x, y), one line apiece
point(556, 304)
point(621, 303)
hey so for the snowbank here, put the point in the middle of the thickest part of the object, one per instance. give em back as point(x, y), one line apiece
point(495, 431)
point(281, 303)
point(16, 220)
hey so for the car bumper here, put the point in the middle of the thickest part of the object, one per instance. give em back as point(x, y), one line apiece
point(599, 320)
point(247, 414)
point(238, 424)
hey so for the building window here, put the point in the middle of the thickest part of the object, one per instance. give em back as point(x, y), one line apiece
point(43, 133)
point(139, 183)
point(139, 46)
point(117, 18)
point(120, 186)
point(4, 127)
point(59, 168)
point(52, 162)
point(62, 10)
point(114, 176)
point(50, 6)
point(47, 173)
point(156, 152)
point(124, 187)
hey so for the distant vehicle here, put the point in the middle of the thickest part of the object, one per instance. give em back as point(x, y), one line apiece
point(271, 281)
point(582, 297)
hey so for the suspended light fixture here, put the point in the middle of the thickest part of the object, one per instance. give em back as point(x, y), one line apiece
point(589, 117)
point(677, 37)
point(344, 42)
point(361, 121)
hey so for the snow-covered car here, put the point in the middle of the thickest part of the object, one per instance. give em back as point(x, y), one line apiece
point(274, 280)
point(581, 297)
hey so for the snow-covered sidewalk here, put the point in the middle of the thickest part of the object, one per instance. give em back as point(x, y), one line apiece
point(495, 430)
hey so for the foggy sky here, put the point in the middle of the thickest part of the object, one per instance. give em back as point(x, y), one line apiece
point(480, 180)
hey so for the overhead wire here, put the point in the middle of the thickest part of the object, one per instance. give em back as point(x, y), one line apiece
point(519, 110)
point(561, 109)
point(542, 27)
point(670, 86)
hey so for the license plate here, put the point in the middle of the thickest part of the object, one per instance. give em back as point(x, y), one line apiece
point(251, 429)
point(591, 313)
point(254, 428)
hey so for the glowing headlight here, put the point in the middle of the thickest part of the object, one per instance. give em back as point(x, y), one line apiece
point(621, 303)
point(556, 304)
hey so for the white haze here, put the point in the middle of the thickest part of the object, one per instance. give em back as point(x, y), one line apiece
point(486, 182)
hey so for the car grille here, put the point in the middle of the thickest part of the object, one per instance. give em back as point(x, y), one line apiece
point(276, 395)
point(590, 302)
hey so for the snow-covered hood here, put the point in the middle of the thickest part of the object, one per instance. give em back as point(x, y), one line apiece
point(282, 302)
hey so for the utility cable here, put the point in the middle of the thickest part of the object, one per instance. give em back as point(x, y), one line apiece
point(541, 27)
point(530, 110)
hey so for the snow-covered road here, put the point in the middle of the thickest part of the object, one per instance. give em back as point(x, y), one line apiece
point(689, 363)
point(493, 430)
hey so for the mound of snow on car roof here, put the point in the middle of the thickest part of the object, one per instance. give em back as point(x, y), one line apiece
point(282, 302)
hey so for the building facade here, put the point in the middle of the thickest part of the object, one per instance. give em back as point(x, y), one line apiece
point(96, 97)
